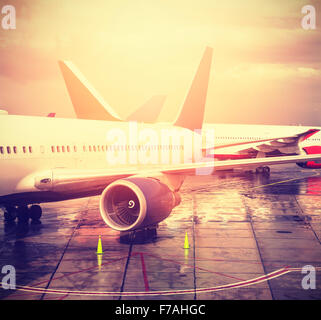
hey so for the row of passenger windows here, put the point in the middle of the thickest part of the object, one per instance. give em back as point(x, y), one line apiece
point(14, 149)
point(242, 138)
point(256, 138)
point(89, 148)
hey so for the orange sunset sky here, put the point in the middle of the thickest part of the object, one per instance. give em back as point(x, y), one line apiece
point(266, 68)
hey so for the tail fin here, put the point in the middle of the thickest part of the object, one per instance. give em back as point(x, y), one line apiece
point(87, 102)
point(149, 111)
point(191, 114)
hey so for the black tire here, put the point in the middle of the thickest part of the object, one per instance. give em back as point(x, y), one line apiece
point(10, 214)
point(35, 212)
point(259, 170)
point(23, 213)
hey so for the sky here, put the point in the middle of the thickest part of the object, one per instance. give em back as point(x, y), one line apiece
point(266, 68)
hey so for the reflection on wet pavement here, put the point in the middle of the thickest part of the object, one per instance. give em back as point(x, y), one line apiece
point(240, 226)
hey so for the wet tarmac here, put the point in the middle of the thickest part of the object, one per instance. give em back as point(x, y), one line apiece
point(249, 237)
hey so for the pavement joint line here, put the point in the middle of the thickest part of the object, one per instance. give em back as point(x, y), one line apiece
point(302, 213)
point(194, 255)
point(59, 262)
point(125, 270)
point(187, 265)
point(64, 251)
point(132, 255)
point(257, 244)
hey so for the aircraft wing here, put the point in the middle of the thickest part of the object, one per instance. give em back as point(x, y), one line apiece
point(202, 168)
point(278, 146)
point(70, 180)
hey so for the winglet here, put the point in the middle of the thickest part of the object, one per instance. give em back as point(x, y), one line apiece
point(84, 97)
point(149, 111)
point(191, 114)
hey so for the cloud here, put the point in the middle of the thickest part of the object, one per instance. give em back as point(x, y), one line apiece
point(25, 64)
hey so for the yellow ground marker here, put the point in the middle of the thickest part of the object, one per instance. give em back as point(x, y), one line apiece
point(99, 261)
point(99, 247)
point(186, 244)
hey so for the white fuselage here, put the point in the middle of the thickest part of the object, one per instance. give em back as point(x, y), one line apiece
point(29, 145)
point(226, 134)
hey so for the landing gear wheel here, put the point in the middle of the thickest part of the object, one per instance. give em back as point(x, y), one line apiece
point(35, 212)
point(259, 170)
point(10, 214)
point(141, 236)
point(23, 214)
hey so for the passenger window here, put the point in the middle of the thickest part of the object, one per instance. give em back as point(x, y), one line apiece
point(15, 149)
point(63, 149)
point(75, 149)
point(68, 149)
point(1, 150)
point(58, 149)
point(52, 149)
point(8, 150)
point(24, 149)
point(89, 148)
point(30, 149)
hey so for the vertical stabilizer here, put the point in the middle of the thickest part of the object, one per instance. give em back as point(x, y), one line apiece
point(87, 102)
point(191, 114)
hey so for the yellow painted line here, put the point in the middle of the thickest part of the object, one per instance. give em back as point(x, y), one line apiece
point(283, 181)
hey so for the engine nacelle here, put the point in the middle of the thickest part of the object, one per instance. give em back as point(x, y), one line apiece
point(136, 202)
point(311, 164)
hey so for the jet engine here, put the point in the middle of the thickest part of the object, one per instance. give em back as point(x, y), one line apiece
point(136, 202)
point(311, 164)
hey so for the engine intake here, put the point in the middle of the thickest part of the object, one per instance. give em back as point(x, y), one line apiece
point(136, 202)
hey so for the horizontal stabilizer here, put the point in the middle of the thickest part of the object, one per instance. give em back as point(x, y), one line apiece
point(149, 111)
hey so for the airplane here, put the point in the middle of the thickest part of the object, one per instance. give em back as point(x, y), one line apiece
point(56, 159)
point(231, 141)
